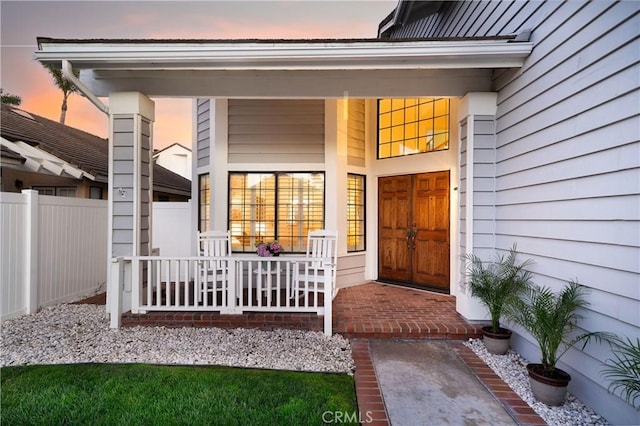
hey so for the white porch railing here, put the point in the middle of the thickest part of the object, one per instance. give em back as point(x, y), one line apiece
point(235, 284)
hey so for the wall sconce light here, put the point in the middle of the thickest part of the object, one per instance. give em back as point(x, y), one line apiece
point(123, 192)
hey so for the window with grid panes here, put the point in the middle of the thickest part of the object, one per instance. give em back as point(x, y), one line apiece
point(204, 198)
point(275, 206)
point(355, 213)
point(412, 126)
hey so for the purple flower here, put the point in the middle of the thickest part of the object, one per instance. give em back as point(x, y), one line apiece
point(269, 249)
point(274, 248)
point(263, 250)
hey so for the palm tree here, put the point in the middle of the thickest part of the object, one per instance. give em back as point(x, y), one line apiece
point(63, 84)
point(9, 99)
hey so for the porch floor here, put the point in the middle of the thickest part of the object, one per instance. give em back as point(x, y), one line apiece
point(371, 310)
point(377, 311)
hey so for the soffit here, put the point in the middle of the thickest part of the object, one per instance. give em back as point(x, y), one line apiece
point(165, 67)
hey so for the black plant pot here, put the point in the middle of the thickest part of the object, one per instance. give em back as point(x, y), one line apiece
point(496, 343)
point(549, 387)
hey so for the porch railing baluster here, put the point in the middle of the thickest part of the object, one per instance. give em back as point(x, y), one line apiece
point(250, 284)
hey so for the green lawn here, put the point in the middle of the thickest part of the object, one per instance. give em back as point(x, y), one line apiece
point(140, 394)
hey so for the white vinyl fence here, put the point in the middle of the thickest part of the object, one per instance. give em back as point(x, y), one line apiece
point(171, 231)
point(53, 250)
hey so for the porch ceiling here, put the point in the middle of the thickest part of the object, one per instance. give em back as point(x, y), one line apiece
point(286, 68)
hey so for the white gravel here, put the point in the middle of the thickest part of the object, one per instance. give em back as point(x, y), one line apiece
point(512, 369)
point(80, 334)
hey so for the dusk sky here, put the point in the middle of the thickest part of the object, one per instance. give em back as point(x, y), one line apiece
point(23, 21)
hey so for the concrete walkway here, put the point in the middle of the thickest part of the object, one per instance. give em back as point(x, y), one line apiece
point(425, 383)
point(432, 382)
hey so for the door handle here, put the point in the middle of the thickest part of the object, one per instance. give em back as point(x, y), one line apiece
point(411, 237)
point(414, 232)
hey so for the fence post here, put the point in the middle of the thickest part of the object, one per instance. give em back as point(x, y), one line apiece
point(232, 267)
point(31, 250)
point(136, 285)
point(117, 271)
point(328, 299)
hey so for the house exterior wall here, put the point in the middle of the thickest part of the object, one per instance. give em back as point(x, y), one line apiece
point(176, 158)
point(123, 180)
point(30, 180)
point(203, 134)
point(356, 142)
point(348, 146)
point(567, 161)
point(476, 192)
point(321, 124)
point(276, 131)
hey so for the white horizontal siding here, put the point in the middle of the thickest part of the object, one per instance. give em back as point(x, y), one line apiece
point(276, 131)
point(122, 169)
point(568, 169)
point(350, 270)
point(203, 132)
point(476, 18)
point(567, 160)
point(356, 133)
point(462, 189)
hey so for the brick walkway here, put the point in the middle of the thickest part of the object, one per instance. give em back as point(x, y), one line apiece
point(376, 311)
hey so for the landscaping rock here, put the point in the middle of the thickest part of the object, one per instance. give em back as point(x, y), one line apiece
point(513, 371)
point(80, 334)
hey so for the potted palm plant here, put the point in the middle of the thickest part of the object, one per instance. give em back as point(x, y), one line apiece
point(551, 318)
point(623, 370)
point(497, 284)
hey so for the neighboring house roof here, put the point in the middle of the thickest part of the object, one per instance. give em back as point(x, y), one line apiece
point(30, 137)
point(176, 144)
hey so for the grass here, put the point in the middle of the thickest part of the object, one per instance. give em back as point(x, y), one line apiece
point(140, 394)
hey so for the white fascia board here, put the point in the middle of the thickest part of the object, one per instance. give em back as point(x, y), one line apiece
point(289, 56)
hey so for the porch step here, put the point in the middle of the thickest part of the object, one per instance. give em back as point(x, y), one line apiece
point(259, 320)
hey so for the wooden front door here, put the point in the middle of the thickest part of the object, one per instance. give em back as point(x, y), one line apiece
point(413, 229)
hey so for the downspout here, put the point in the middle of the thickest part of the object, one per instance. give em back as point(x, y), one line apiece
point(67, 72)
point(115, 267)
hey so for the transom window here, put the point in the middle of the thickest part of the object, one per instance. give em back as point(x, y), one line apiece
point(355, 212)
point(275, 206)
point(412, 126)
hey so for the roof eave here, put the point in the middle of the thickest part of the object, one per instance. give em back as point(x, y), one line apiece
point(498, 53)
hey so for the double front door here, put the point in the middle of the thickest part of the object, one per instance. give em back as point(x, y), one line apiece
point(413, 230)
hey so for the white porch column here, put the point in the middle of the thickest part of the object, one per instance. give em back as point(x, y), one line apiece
point(131, 116)
point(476, 119)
